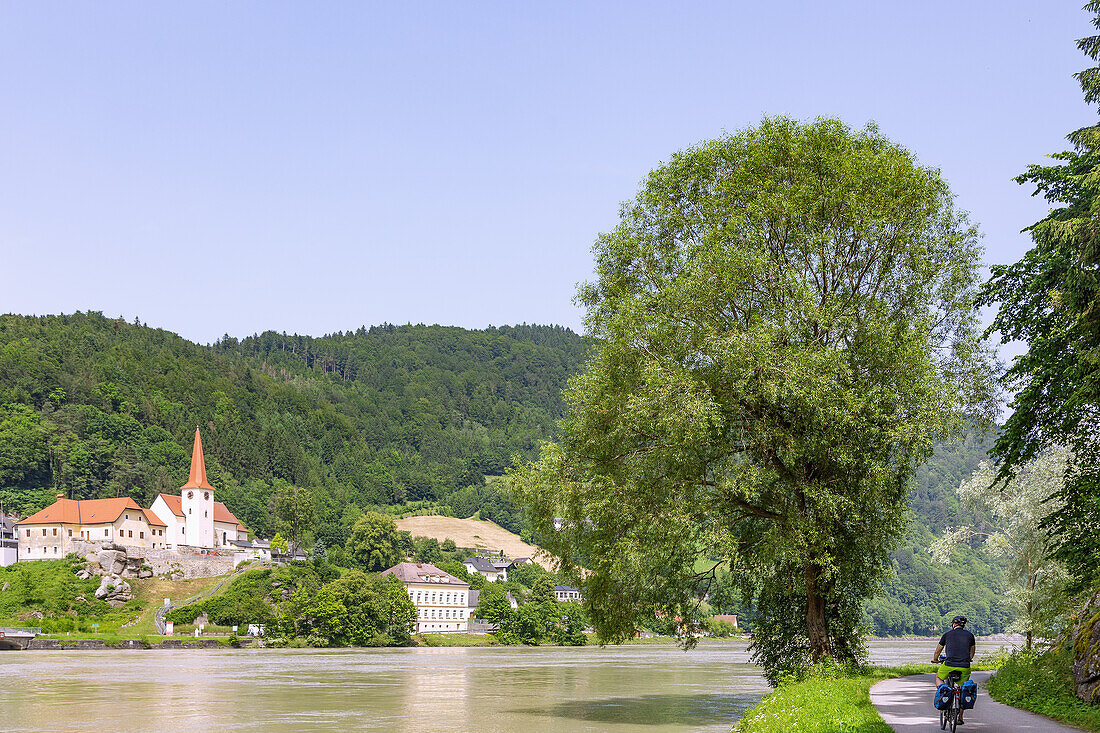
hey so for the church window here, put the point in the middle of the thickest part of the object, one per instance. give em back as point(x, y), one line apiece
point(190, 494)
point(206, 495)
point(206, 514)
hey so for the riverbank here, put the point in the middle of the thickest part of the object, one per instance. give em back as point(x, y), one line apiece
point(830, 700)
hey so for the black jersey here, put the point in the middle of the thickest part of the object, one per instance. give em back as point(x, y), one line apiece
point(956, 645)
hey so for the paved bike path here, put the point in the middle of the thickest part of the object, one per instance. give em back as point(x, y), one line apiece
point(905, 703)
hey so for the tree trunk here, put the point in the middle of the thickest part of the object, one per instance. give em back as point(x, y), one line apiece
point(816, 625)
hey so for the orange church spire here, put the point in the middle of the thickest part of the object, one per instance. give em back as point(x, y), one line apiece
point(197, 479)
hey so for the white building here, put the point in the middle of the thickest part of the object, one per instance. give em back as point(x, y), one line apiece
point(9, 547)
point(567, 593)
point(56, 530)
point(193, 518)
point(491, 570)
point(441, 599)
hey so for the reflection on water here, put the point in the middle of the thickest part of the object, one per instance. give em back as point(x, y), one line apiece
point(653, 688)
point(646, 687)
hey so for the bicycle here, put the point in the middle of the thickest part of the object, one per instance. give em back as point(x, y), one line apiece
point(950, 714)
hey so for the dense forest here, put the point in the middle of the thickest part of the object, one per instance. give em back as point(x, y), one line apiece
point(96, 407)
point(394, 418)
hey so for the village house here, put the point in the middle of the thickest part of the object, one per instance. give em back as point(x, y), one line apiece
point(490, 570)
point(441, 599)
point(52, 533)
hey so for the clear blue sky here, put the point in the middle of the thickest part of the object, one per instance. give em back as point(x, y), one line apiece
point(311, 167)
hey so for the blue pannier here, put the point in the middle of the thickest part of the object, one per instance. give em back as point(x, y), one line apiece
point(969, 694)
point(942, 700)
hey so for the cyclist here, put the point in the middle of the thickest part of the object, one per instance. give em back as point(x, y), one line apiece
point(958, 648)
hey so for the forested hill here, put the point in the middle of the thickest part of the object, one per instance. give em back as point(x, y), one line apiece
point(100, 407)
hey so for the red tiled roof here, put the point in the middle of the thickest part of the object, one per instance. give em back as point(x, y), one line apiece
point(175, 504)
point(87, 511)
point(153, 519)
point(221, 512)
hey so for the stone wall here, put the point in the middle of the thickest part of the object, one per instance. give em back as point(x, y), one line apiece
point(181, 564)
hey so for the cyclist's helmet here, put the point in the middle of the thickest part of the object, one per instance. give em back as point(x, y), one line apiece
point(960, 620)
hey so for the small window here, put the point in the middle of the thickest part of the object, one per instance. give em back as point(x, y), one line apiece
point(131, 533)
point(206, 495)
point(141, 535)
point(206, 514)
point(188, 510)
point(55, 531)
point(127, 516)
point(106, 533)
point(43, 531)
point(70, 533)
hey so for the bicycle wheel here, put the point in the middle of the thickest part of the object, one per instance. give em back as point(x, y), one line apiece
point(943, 719)
point(953, 718)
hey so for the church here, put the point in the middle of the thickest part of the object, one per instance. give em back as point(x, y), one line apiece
point(192, 519)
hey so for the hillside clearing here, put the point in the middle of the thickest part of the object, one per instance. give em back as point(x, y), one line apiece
point(474, 533)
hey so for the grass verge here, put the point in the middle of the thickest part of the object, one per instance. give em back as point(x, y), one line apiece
point(1041, 683)
point(459, 639)
point(828, 701)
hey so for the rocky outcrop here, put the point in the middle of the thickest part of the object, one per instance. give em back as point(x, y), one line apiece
point(112, 561)
point(1085, 638)
point(114, 590)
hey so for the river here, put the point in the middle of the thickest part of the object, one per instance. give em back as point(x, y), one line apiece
point(644, 687)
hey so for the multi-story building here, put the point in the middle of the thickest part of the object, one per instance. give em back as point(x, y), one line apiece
point(441, 599)
point(53, 532)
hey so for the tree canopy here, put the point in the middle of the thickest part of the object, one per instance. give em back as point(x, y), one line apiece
point(1050, 300)
point(784, 322)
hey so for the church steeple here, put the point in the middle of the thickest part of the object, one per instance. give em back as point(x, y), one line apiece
point(197, 478)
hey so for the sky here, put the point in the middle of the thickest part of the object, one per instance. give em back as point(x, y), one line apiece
point(232, 167)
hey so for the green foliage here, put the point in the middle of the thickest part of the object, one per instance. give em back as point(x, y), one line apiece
point(278, 543)
point(427, 550)
point(375, 542)
point(1050, 300)
point(1012, 514)
point(492, 604)
point(785, 323)
point(52, 588)
point(823, 700)
point(1041, 682)
point(97, 407)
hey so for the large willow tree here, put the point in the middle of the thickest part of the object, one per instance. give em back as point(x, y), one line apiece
point(784, 324)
